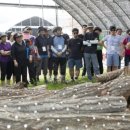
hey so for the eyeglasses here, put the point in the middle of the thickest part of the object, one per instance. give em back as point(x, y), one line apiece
point(75, 33)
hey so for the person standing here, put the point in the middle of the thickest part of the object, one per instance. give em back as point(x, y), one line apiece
point(59, 47)
point(91, 40)
point(113, 47)
point(43, 50)
point(99, 49)
point(30, 41)
point(48, 39)
point(19, 55)
point(10, 35)
point(75, 45)
point(126, 52)
point(5, 60)
point(119, 33)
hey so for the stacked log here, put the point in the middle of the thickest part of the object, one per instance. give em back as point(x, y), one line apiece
point(88, 106)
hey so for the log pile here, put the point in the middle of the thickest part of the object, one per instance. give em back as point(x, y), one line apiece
point(88, 106)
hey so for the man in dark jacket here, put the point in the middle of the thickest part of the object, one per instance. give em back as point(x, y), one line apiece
point(43, 50)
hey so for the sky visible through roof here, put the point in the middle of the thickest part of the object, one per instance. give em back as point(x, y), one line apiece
point(10, 16)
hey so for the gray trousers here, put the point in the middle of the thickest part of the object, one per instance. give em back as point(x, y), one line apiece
point(91, 59)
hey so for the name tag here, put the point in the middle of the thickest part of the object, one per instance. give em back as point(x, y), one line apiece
point(43, 48)
point(60, 47)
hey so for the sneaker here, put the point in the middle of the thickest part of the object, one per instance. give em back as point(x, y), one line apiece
point(46, 81)
point(37, 79)
point(55, 80)
point(50, 79)
point(72, 80)
point(76, 78)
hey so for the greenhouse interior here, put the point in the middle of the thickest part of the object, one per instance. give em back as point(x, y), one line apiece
point(64, 64)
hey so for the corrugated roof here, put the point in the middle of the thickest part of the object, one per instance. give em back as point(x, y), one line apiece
point(103, 13)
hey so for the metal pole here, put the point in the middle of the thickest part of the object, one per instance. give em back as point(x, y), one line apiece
point(56, 12)
point(72, 23)
point(30, 22)
point(39, 22)
point(43, 24)
point(20, 7)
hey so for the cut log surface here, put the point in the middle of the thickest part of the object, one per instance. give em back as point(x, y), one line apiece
point(109, 76)
point(88, 106)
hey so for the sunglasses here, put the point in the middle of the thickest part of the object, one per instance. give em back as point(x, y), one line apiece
point(113, 30)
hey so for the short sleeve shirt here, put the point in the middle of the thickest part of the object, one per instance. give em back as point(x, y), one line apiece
point(113, 44)
point(75, 46)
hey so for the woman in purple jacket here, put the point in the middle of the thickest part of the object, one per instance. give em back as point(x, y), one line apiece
point(5, 60)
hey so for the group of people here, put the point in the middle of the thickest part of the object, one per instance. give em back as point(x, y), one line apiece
point(49, 54)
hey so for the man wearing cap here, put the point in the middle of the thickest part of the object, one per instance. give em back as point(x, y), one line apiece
point(43, 50)
point(19, 55)
point(91, 40)
point(5, 59)
point(59, 47)
point(113, 48)
point(48, 39)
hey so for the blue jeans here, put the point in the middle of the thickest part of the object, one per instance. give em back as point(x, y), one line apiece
point(91, 58)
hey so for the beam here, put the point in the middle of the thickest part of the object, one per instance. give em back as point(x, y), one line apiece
point(75, 8)
point(115, 12)
point(76, 16)
point(72, 12)
point(99, 9)
point(84, 4)
point(114, 1)
point(30, 6)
